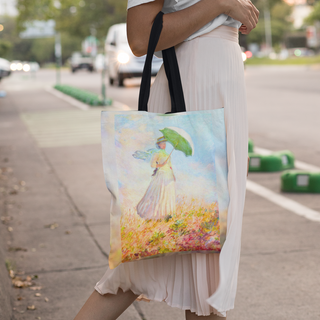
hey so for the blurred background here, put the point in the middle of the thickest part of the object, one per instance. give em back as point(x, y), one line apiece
point(61, 64)
point(286, 29)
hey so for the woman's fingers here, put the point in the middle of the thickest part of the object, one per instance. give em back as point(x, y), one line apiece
point(253, 21)
point(246, 12)
point(249, 24)
point(247, 21)
point(252, 16)
point(254, 12)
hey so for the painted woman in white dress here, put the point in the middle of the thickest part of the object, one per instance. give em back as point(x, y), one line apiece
point(159, 199)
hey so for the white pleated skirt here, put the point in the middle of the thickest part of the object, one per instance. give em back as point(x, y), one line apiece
point(212, 75)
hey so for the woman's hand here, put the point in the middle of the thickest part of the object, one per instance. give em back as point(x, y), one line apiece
point(160, 165)
point(243, 11)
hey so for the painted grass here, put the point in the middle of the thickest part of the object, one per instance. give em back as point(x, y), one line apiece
point(194, 227)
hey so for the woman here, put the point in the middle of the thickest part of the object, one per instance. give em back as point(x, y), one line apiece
point(205, 34)
point(159, 200)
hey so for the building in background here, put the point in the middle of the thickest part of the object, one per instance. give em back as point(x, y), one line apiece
point(305, 37)
point(8, 8)
point(301, 10)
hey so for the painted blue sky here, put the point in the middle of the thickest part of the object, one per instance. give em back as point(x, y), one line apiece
point(196, 175)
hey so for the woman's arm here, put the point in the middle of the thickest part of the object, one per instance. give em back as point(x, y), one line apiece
point(177, 26)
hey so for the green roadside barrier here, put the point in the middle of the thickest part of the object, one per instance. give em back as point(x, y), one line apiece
point(83, 96)
point(287, 159)
point(264, 163)
point(274, 162)
point(250, 146)
point(300, 181)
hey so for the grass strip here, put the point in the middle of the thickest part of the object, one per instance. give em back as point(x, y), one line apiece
point(288, 61)
point(84, 96)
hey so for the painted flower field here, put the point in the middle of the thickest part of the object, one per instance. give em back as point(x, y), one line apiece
point(194, 227)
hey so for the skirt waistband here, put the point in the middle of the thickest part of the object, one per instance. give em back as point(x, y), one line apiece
point(224, 32)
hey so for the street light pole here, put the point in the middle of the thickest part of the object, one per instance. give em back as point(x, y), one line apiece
point(267, 26)
point(57, 50)
point(103, 80)
point(106, 101)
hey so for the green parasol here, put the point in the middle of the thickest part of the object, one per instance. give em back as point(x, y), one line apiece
point(179, 139)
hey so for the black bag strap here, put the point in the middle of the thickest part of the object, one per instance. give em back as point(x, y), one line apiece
point(171, 68)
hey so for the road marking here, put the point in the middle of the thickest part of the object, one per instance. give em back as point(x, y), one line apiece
point(64, 127)
point(298, 164)
point(283, 202)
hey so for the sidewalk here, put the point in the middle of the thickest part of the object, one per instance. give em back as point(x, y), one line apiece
point(48, 239)
point(55, 230)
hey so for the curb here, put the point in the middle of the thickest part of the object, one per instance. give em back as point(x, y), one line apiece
point(116, 105)
point(5, 287)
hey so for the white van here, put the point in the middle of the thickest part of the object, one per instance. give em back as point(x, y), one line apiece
point(121, 62)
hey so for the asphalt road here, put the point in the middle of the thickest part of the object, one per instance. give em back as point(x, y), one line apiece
point(279, 271)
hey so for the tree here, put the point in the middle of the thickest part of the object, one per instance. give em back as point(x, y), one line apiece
point(76, 18)
point(5, 47)
point(312, 2)
point(12, 47)
point(281, 22)
point(314, 15)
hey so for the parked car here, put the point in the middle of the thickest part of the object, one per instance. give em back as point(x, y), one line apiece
point(25, 66)
point(16, 65)
point(121, 62)
point(4, 68)
point(81, 61)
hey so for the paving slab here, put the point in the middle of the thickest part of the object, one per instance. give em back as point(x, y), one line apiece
point(160, 310)
point(101, 232)
point(66, 292)
point(80, 169)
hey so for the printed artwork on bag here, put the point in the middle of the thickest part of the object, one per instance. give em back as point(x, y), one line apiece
point(166, 168)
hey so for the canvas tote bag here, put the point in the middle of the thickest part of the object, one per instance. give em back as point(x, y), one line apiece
point(167, 173)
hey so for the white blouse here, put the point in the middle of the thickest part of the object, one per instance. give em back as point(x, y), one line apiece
point(176, 5)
